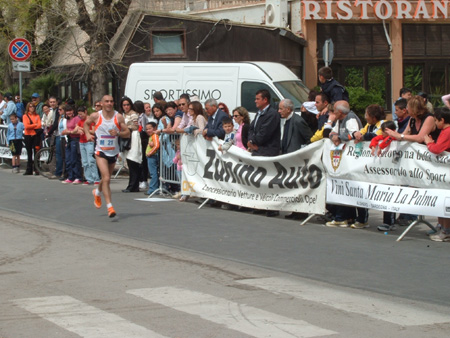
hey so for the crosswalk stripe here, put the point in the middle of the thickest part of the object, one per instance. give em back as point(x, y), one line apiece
point(386, 310)
point(82, 319)
point(235, 316)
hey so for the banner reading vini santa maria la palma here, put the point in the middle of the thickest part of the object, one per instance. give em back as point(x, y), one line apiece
point(406, 178)
point(291, 182)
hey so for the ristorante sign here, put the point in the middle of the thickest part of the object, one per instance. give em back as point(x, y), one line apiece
point(369, 10)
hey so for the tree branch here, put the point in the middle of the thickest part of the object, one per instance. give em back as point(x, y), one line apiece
point(83, 20)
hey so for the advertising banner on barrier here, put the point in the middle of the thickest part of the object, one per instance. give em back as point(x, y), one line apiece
point(291, 182)
point(403, 163)
point(407, 178)
point(427, 202)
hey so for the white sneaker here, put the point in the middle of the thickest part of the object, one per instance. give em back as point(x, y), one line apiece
point(143, 185)
point(336, 224)
point(358, 225)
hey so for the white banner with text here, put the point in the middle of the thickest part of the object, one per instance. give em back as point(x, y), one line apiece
point(402, 163)
point(406, 178)
point(407, 200)
point(291, 182)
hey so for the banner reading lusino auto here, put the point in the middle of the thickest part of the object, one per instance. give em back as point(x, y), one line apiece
point(406, 178)
point(291, 182)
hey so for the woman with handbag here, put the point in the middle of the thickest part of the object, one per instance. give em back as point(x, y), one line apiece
point(33, 132)
point(133, 152)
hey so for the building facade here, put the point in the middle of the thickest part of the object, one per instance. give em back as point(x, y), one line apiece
point(380, 45)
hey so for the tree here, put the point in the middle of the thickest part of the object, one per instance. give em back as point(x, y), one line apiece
point(25, 18)
point(100, 26)
point(47, 25)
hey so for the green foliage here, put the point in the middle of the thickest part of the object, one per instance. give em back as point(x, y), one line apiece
point(377, 80)
point(354, 77)
point(13, 89)
point(361, 98)
point(45, 85)
point(412, 78)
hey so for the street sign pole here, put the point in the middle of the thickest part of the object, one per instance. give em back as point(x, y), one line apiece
point(20, 86)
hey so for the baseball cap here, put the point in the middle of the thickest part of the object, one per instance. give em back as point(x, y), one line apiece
point(35, 95)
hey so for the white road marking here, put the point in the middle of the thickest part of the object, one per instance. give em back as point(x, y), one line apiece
point(386, 310)
point(154, 199)
point(82, 319)
point(240, 317)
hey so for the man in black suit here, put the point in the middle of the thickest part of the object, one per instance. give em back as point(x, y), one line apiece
point(214, 125)
point(264, 133)
point(296, 134)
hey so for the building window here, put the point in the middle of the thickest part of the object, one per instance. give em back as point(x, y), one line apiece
point(168, 43)
point(354, 41)
point(425, 40)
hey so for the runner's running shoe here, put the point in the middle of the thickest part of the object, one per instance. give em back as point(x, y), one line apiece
point(97, 200)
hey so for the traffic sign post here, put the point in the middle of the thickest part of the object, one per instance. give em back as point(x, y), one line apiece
point(20, 50)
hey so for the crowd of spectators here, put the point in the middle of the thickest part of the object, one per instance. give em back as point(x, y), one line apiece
point(275, 129)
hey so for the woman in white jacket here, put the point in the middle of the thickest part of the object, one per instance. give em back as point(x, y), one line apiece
point(134, 154)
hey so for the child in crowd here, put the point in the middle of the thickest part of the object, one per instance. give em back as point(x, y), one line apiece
point(375, 117)
point(152, 153)
point(229, 139)
point(442, 120)
point(177, 159)
point(383, 140)
point(179, 163)
point(15, 141)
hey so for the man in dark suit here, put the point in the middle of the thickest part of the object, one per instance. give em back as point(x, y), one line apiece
point(296, 134)
point(264, 132)
point(214, 125)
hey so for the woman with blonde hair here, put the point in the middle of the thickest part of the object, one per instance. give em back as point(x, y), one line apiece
point(420, 124)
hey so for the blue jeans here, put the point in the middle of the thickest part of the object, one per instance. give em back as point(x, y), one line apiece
point(73, 160)
point(88, 162)
point(59, 157)
point(153, 164)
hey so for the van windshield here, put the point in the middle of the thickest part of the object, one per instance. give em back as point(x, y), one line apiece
point(294, 90)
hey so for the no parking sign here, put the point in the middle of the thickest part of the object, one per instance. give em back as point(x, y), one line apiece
point(19, 49)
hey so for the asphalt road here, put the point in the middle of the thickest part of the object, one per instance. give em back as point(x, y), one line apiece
point(415, 268)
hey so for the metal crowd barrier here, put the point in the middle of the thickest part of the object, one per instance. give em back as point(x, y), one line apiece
point(167, 169)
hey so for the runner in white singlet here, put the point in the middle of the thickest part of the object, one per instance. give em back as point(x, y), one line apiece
point(109, 125)
point(106, 143)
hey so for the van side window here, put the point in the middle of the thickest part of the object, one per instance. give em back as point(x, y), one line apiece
point(248, 91)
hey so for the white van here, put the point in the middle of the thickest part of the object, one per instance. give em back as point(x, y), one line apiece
point(233, 83)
